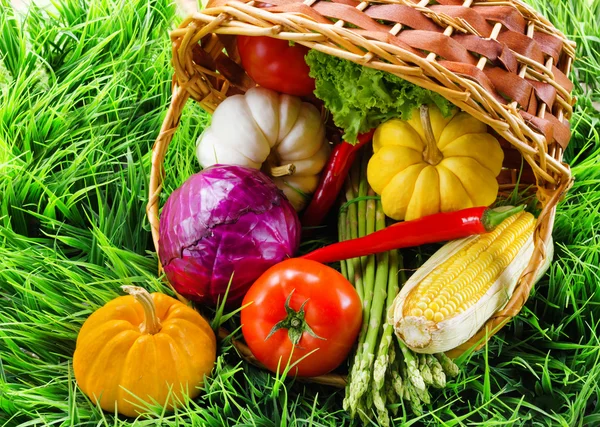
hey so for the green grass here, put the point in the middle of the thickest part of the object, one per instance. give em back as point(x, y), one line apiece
point(83, 91)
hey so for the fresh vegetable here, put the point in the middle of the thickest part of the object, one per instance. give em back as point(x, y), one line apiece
point(143, 349)
point(302, 313)
point(435, 228)
point(448, 299)
point(275, 64)
point(332, 179)
point(277, 133)
point(225, 223)
point(383, 371)
point(361, 98)
point(432, 164)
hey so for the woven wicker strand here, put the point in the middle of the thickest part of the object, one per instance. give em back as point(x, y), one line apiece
point(499, 61)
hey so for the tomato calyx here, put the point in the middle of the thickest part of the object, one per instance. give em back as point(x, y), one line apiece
point(294, 322)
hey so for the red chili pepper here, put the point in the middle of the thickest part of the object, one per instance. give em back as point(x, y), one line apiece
point(435, 228)
point(332, 180)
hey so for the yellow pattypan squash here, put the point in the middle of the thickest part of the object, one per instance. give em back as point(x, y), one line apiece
point(432, 164)
point(143, 349)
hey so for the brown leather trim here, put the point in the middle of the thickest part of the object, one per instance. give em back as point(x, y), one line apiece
point(472, 17)
point(541, 125)
point(348, 14)
point(299, 8)
point(532, 108)
point(511, 85)
point(352, 3)
point(447, 2)
point(404, 15)
point(442, 45)
point(550, 45)
point(522, 44)
point(508, 59)
point(509, 16)
point(475, 74)
point(491, 49)
point(389, 38)
point(562, 79)
point(233, 72)
point(562, 131)
point(545, 92)
point(202, 58)
point(550, 127)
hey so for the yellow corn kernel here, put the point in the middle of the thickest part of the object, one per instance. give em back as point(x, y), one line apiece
point(464, 278)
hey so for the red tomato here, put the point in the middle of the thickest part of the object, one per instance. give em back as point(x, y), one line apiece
point(305, 301)
point(275, 65)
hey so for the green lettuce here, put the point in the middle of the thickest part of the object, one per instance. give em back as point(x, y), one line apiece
point(361, 98)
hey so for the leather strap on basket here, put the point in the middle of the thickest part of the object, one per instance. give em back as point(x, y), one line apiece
point(422, 33)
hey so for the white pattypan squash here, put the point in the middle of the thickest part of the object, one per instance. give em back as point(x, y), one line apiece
point(277, 133)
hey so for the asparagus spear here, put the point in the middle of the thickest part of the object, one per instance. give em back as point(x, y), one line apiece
point(341, 238)
point(412, 367)
point(364, 363)
point(383, 353)
point(450, 368)
point(352, 233)
point(425, 370)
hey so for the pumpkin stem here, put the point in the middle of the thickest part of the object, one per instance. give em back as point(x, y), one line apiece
point(151, 324)
point(270, 166)
point(284, 170)
point(432, 153)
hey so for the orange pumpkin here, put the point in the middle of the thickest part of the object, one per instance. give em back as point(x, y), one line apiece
point(143, 349)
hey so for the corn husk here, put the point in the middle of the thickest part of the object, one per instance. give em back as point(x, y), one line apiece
point(426, 336)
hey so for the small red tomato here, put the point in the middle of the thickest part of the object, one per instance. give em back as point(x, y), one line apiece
point(301, 309)
point(275, 65)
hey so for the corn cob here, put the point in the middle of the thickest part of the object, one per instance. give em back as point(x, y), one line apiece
point(459, 288)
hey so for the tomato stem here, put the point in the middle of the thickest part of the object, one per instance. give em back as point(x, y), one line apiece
point(294, 322)
point(151, 324)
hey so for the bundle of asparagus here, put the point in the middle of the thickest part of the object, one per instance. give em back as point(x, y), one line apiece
point(384, 372)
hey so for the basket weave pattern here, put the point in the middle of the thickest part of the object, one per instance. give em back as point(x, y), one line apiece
point(499, 61)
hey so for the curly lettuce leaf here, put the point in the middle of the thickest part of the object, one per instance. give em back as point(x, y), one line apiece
point(361, 98)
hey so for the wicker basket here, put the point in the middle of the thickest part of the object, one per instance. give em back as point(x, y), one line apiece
point(499, 61)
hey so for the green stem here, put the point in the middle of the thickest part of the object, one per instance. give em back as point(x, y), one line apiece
point(352, 232)
point(492, 218)
point(363, 363)
point(294, 322)
point(341, 238)
point(383, 358)
point(362, 192)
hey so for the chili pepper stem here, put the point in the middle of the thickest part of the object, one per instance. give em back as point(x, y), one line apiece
point(492, 218)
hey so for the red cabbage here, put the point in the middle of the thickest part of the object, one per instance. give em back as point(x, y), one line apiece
point(225, 220)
